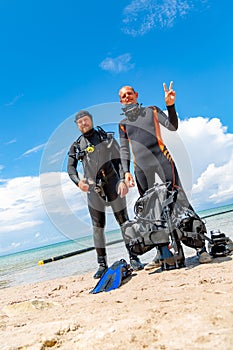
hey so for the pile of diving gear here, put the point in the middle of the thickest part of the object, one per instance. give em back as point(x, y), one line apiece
point(219, 244)
point(162, 221)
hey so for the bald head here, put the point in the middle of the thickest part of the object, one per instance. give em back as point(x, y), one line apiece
point(128, 95)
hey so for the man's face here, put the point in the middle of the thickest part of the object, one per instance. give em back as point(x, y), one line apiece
point(84, 124)
point(128, 95)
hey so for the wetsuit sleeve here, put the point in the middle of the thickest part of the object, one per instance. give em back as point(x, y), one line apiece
point(124, 149)
point(115, 158)
point(72, 165)
point(171, 121)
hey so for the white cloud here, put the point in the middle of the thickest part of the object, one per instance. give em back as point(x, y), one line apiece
point(38, 234)
point(14, 100)
point(210, 148)
point(27, 203)
point(10, 142)
point(56, 157)
point(34, 150)
point(15, 245)
point(20, 204)
point(207, 142)
point(118, 64)
point(18, 226)
point(215, 185)
point(140, 16)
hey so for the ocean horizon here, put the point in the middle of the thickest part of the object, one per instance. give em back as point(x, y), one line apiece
point(22, 267)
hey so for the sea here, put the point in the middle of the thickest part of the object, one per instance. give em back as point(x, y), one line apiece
point(50, 262)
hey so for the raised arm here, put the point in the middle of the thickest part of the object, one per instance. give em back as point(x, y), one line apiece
point(170, 121)
point(170, 94)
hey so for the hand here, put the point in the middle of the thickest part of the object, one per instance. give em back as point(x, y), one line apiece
point(129, 180)
point(170, 95)
point(83, 185)
point(122, 189)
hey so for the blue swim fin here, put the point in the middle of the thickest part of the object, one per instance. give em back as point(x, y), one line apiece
point(113, 276)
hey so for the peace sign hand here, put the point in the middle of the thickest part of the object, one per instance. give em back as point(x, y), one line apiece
point(170, 95)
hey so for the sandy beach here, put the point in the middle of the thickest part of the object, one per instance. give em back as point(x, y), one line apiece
point(188, 308)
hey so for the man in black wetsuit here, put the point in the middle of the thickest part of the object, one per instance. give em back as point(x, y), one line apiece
point(95, 149)
point(140, 132)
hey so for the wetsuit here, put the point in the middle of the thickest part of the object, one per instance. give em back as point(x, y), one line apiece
point(92, 150)
point(150, 154)
point(140, 129)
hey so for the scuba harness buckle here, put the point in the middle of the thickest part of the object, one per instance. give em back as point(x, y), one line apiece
point(90, 148)
point(106, 137)
point(81, 154)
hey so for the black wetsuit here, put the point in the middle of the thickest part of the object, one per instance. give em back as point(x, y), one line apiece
point(103, 180)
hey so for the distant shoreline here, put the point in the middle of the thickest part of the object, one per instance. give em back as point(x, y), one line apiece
point(52, 245)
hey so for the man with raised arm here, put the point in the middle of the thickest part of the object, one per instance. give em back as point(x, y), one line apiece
point(140, 134)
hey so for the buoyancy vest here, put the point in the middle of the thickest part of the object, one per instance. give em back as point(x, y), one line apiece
point(99, 152)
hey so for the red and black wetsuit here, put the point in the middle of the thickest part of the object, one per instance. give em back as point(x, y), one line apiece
point(150, 153)
point(151, 156)
point(141, 133)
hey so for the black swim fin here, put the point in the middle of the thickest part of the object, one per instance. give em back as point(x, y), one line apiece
point(113, 276)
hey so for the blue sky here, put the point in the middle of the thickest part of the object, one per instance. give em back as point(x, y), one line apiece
point(58, 57)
